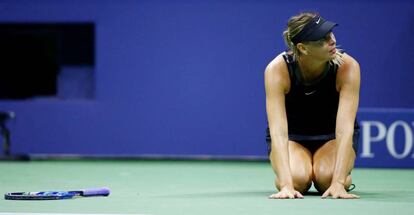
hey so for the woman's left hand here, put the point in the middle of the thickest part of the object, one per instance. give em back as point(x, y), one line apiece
point(337, 190)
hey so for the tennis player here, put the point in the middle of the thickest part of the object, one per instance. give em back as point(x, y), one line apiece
point(312, 94)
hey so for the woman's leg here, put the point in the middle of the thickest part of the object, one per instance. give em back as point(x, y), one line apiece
point(300, 160)
point(324, 160)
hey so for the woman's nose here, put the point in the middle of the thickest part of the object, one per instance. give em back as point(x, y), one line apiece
point(331, 42)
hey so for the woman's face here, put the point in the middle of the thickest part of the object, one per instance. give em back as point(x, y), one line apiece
point(323, 49)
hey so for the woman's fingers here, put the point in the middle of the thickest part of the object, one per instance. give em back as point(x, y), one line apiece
point(273, 196)
point(298, 195)
point(349, 196)
point(355, 196)
point(325, 194)
point(340, 196)
point(276, 196)
point(284, 195)
point(281, 195)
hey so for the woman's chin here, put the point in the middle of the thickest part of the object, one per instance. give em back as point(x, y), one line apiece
point(332, 52)
point(332, 56)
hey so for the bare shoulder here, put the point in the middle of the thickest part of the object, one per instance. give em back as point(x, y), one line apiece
point(349, 63)
point(276, 73)
point(348, 72)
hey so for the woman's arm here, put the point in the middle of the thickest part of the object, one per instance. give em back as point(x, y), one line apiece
point(276, 84)
point(348, 85)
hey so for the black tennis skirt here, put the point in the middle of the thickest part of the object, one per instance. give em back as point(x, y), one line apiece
point(314, 142)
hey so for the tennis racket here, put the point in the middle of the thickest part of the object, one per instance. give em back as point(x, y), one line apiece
point(56, 195)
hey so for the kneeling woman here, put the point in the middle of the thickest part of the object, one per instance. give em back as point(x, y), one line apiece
point(312, 94)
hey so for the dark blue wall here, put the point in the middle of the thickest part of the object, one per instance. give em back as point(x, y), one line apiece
point(186, 77)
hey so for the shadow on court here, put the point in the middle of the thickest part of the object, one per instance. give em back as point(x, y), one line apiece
point(236, 194)
point(382, 196)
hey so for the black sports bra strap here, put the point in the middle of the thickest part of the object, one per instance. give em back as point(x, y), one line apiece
point(290, 62)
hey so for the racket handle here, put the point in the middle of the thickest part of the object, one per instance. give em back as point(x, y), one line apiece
point(102, 191)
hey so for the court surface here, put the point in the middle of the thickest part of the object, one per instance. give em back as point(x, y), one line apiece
point(192, 187)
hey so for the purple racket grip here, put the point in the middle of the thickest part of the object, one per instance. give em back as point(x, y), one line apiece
point(102, 191)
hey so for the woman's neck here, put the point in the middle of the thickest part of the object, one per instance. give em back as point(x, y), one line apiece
point(311, 68)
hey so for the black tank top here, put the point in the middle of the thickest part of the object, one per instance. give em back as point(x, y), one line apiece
point(311, 108)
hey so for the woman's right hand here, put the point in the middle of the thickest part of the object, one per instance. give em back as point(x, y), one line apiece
point(286, 193)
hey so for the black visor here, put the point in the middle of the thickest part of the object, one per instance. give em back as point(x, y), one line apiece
point(316, 29)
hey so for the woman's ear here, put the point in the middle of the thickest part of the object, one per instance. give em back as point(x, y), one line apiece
point(302, 48)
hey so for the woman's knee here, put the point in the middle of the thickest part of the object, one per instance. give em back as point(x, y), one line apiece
point(322, 186)
point(302, 179)
point(322, 176)
point(300, 166)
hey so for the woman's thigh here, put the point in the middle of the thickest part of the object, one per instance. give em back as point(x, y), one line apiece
point(300, 158)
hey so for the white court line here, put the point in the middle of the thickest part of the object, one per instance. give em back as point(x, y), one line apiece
point(6, 213)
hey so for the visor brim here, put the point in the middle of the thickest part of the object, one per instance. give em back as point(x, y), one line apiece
point(321, 31)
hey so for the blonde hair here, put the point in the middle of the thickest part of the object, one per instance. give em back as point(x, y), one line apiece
point(295, 26)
